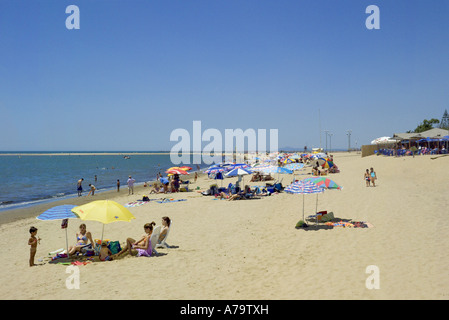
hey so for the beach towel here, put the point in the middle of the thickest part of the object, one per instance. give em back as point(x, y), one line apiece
point(135, 204)
point(59, 256)
point(353, 224)
point(79, 263)
point(170, 200)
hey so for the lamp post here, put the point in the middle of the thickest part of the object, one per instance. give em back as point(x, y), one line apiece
point(349, 139)
point(330, 142)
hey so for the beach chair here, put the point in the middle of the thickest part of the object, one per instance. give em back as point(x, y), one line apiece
point(154, 237)
point(163, 243)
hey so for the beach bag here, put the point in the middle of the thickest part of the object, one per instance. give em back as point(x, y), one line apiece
point(327, 217)
point(145, 198)
point(114, 246)
point(89, 252)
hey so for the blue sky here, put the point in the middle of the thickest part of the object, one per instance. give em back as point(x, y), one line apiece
point(136, 70)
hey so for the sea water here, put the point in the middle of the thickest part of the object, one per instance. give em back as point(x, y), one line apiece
point(32, 179)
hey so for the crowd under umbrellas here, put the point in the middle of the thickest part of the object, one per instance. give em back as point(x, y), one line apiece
point(274, 163)
point(284, 164)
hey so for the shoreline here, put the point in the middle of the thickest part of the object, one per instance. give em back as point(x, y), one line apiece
point(136, 153)
point(24, 211)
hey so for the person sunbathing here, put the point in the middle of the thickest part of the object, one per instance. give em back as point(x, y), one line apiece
point(243, 194)
point(236, 196)
point(267, 177)
point(82, 240)
point(222, 195)
point(141, 247)
point(165, 226)
point(155, 188)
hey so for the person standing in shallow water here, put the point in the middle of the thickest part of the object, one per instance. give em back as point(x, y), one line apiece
point(80, 187)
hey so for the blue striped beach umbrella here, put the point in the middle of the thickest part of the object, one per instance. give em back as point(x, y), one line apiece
point(284, 170)
point(304, 187)
point(294, 166)
point(237, 166)
point(214, 170)
point(238, 172)
point(273, 169)
point(260, 167)
point(59, 213)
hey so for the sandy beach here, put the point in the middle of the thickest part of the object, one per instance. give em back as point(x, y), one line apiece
point(250, 249)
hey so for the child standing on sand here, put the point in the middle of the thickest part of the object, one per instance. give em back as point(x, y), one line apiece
point(367, 177)
point(33, 241)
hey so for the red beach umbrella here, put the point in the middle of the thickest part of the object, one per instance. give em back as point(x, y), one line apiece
point(176, 171)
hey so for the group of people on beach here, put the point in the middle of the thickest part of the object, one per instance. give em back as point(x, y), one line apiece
point(141, 247)
point(370, 177)
point(164, 185)
point(92, 188)
point(79, 187)
point(84, 242)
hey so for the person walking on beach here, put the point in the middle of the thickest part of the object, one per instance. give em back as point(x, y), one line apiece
point(80, 187)
point(118, 185)
point(373, 176)
point(131, 185)
point(33, 241)
point(367, 177)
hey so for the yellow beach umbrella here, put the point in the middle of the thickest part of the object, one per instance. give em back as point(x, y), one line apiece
point(104, 211)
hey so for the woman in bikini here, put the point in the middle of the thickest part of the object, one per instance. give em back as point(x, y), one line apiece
point(82, 240)
point(141, 247)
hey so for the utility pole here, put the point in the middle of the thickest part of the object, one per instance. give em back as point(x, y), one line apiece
point(349, 139)
point(319, 120)
point(326, 132)
point(330, 142)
